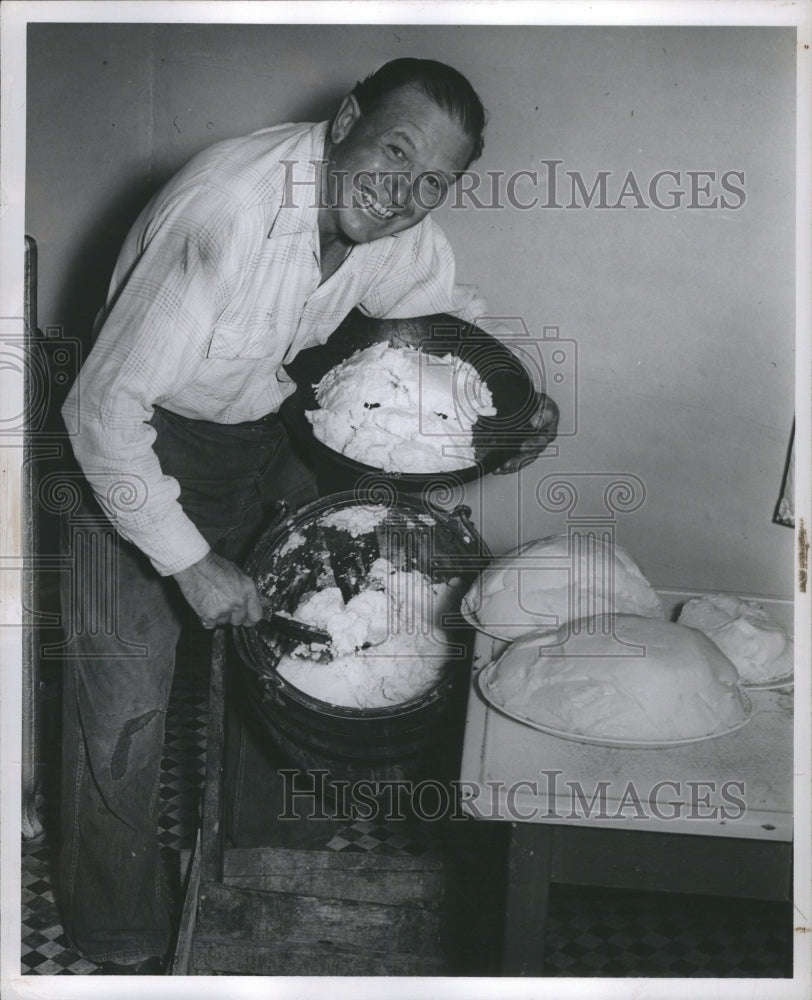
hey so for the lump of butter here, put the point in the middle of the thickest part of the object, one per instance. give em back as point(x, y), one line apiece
point(761, 649)
point(401, 613)
point(673, 683)
point(401, 410)
point(550, 581)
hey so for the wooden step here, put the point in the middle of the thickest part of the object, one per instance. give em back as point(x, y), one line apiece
point(391, 880)
point(281, 911)
point(260, 959)
point(273, 933)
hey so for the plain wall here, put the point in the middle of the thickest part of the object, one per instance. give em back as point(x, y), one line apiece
point(681, 320)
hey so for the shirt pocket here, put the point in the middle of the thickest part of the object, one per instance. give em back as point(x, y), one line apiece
point(244, 341)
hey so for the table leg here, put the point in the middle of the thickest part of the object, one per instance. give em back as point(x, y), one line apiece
point(528, 894)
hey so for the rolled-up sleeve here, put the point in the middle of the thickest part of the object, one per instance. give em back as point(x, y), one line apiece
point(153, 339)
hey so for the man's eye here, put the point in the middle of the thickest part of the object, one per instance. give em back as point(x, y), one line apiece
point(396, 151)
point(432, 189)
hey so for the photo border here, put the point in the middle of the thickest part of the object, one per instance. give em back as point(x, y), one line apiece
point(15, 15)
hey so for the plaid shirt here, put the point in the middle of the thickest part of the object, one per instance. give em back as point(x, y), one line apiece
point(216, 287)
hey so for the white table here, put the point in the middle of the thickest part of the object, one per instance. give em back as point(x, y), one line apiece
point(714, 816)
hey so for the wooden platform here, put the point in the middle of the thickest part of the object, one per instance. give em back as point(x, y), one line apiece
point(287, 912)
point(295, 907)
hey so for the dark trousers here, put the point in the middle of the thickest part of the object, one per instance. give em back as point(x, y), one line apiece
point(123, 622)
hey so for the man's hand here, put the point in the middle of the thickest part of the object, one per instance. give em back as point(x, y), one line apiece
point(544, 423)
point(220, 593)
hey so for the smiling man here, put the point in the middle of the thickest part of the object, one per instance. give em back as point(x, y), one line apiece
point(387, 166)
point(256, 249)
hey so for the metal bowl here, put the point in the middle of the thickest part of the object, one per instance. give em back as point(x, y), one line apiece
point(495, 439)
point(306, 552)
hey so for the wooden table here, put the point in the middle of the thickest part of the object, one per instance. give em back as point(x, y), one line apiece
point(712, 817)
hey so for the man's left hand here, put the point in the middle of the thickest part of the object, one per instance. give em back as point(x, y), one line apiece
point(544, 424)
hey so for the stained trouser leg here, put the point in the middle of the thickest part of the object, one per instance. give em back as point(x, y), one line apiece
point(119, 661)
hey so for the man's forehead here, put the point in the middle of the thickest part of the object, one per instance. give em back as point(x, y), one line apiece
point(407, 105)
point(412, 115)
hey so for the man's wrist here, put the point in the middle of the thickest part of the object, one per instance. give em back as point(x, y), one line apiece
point(187, 571)
point(177, 546)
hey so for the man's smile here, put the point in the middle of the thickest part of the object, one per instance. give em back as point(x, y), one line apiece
point(371, 204)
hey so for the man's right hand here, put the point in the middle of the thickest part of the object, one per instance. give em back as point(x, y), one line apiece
point(220, 593)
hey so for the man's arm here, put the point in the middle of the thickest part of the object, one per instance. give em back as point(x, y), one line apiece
point(152, 342)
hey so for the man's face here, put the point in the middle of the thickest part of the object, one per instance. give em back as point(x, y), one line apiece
point(389, 168)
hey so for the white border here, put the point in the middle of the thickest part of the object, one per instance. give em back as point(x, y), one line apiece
point(14, 16)
point(549, 12)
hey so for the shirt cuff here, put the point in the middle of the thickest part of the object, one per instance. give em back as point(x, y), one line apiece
point(171, 545)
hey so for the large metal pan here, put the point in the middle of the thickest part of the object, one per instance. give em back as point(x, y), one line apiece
point(495, 438)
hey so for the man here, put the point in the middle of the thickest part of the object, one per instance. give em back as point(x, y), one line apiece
point(258, 248)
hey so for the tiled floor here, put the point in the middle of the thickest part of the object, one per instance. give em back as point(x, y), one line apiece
point(45, 949)
point(590, 932)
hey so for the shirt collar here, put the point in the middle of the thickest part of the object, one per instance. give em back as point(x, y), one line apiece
point(301, 184)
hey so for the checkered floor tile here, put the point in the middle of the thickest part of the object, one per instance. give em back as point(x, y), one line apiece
point(45, 950)
point(590, 932)
point(601, 933)
point(183, 764)
point(381, 838)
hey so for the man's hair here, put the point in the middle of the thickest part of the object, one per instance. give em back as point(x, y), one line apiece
point(446, 86)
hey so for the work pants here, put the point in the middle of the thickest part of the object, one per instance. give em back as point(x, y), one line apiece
point(123, 622)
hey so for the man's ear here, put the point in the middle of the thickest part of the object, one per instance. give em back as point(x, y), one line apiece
point(346, 116)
